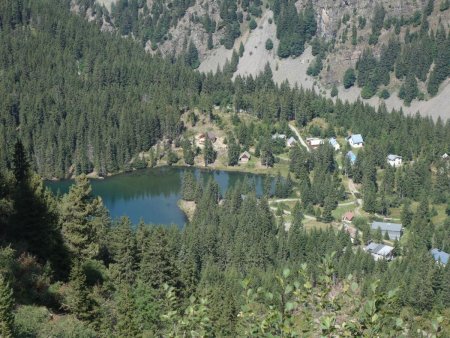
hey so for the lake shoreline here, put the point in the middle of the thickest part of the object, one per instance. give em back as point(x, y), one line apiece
point(254, 171)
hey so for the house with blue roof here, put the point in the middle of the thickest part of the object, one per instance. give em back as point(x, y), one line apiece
point(334, 143)
point(351, 156)
point(440, 256)
point(355, 141)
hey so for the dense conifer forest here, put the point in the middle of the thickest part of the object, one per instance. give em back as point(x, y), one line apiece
point(75, 100)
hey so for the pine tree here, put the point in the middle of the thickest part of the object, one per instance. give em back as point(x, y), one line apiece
point(209, 153)
point(83, 219)
point(79, 300)
point(189, 186)
point(267, 186)
point(127, 322)
point(6, 309)
point(329, 205)
point(233, 152)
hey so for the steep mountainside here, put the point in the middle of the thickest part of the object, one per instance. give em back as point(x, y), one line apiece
point(405, 65)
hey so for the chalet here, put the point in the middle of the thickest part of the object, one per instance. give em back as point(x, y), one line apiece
point(351, 156)
point(278, 136)
point(244, 157)
point(440, 256)
point(314, 142)
point(355, 141)
point(334, 143)
point(445, 156)
point(380, 251)
point(394, 160)
point(348, 216)
point(291, 142)
point(394, 230)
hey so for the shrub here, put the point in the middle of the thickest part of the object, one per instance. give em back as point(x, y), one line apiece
point(384, 94)
point(269, 44)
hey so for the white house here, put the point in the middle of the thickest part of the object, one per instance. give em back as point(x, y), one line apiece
point(445, 156)
point(278, 136)
point(314, 142)
point(355, 141)
point(291, 142)
point(394, 160)
point(380, 251)
point(334, 143)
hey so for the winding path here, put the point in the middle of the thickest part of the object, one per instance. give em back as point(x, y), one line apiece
point(292, 127)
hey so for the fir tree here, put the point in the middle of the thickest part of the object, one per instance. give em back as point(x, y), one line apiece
point(209, 153)
point(83, 219)
point(79, 300)
point(6, 309)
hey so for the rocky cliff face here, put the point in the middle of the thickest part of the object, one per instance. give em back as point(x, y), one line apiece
point(331, 12)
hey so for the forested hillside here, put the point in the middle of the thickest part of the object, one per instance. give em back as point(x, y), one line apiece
point(75, 100)
point(68, 270)
point(84, 101)
point(81, 99)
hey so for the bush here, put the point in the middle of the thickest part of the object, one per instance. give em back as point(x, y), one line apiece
point(384, 94)
point(29, 320)
point(334, 91)
point(252, 24)
point(269, 44)
point(367, 92)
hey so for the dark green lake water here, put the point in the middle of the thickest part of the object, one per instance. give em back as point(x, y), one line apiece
point(151, 195)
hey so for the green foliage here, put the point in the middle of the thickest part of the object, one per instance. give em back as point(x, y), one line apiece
point(445, 4)
point(233, 152)
point(334, 91)
point(269, 44)
point(6, 308)
point(83, 220)
point(293, 29)
point(78, 299)
point(315, 67)
point(252, 24)
point(209, 154)
point(349, 78)
point(189, 186)
point(384, 94)
point(191, 57)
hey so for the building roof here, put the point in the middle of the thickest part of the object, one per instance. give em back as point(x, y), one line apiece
point(348, 215)
point(394, 227)
point(275, 136)
point(291, 140)
point(392, 157)
point(440, 256)
point(333, 141)
point(379, 249)
point(445, 156)
point(245, 154)
point(351, 155)
point(356, 138)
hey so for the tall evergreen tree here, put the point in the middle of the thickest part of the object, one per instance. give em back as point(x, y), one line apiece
point(6, 309)
point(83, 219)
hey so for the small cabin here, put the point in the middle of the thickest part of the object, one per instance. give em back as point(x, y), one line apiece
point(394, 160)
point(244, 157)
point(351, 156)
